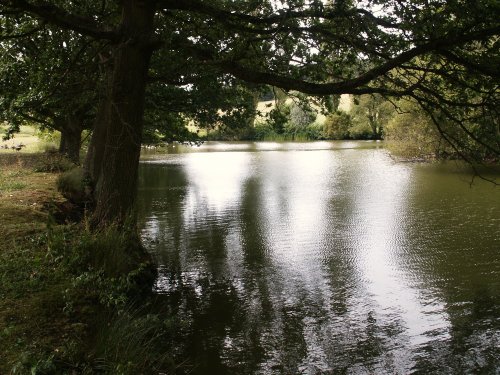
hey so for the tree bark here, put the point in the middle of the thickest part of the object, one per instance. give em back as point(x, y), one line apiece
point(118, 135)
point(71, 138)
point(71, 128)
point(95, 152)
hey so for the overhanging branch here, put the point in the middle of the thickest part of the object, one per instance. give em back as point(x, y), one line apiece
point(204, 8)
point(61, 18)
point(349, 86)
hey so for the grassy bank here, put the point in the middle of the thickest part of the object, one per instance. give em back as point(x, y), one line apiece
point(68, 295)
point(29, 286)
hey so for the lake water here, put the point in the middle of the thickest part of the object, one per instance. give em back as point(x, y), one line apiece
point(324, 258)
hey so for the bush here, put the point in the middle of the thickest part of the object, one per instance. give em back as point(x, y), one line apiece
point(109, 273)
point(278, 119)
point(315, 131)
point(337, 126)
point(361, 130)
point(412, 134)
point(113, 253)
point(71, 185)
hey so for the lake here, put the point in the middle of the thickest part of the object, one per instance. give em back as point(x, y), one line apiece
point(324, 258)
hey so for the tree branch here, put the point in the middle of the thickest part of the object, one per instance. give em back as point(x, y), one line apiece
point(491, 71)
point(62, 18)
point(350, 86)
point(34, 30)
point(278, 17)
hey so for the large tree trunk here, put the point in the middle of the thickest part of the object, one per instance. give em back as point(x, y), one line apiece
point(95, 151)
point(71, 128)
point(71, 137)
point(118, 135)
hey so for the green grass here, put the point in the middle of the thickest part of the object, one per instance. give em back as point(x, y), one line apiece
point(32, 139)
point(12, 180)
point(32, 325)
point(66, 292)
point(8, 186)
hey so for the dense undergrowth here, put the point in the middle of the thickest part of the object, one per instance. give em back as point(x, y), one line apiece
point(72, 300)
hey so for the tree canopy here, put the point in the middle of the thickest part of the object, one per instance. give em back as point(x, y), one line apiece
point(442, 54)
point(49, 79)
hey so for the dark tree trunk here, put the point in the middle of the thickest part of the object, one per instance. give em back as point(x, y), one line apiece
point(71, 138)
point(116, 140)
point(62, 143)
point(71, 128)
point(95, 152)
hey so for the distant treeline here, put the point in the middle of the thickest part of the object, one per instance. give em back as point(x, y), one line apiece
point(408, 130)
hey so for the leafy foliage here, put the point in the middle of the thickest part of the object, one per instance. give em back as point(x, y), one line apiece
point(170, 63)
point(337, 125)
point(411, 133)
point(370, 115)
point(46, 77)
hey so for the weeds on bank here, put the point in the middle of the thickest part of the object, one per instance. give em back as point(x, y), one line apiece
point(80, 312)
point(126, 344)
point(68, 295)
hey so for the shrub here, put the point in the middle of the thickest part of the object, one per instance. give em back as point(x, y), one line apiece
point(361, 130)
point(279, 118)
point(71, 185)
point(315, 131)
point(337, 126)
point(100, 279)
point(412, 134)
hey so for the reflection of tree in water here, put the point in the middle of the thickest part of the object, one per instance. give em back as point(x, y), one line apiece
point(275, 329)
point(475, 333)
point(474, 341)
point(243, 313)
point(206, 300)
point(459, 261)
point(244, 310)
point(229, 298)
point(350, 332)
point(161, 203)
point(254, 247)
point(235, 321)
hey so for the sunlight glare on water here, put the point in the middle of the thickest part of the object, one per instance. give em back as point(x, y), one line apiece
point(323, 257)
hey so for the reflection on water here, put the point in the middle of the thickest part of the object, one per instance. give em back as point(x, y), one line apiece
point(324, 258)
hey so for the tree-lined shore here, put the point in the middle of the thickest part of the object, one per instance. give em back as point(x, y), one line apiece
point(115, 75)
point(115, 67)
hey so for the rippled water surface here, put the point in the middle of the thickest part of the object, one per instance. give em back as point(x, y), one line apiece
point(324, 258)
